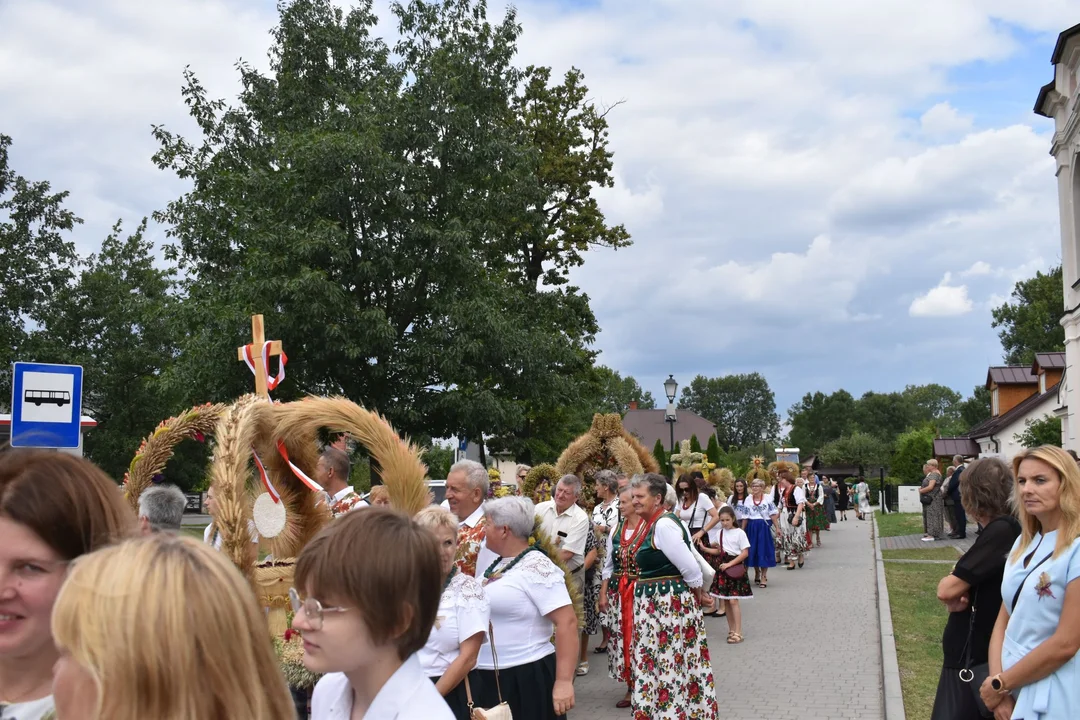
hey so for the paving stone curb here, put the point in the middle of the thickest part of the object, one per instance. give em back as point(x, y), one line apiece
point(890, 668)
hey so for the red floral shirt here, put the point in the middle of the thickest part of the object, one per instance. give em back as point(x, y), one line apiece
point(469, 540)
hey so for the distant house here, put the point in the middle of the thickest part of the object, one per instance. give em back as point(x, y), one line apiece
point(648, 426)
point(1018, 395)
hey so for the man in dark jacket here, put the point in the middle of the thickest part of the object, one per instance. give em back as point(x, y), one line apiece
point(959, 516)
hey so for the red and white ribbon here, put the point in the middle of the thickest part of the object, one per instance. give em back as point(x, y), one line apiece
point(312, 485)
point(271, 382)
point(265, 478)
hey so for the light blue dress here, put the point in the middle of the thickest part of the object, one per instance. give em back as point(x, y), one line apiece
point(1034, 619)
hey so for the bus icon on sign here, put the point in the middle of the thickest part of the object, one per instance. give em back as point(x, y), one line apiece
point(59, 398)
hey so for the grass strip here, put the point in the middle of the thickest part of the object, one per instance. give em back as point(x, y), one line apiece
point(897, 524)
point(918, 621)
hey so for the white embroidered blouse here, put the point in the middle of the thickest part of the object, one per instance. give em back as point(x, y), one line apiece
point(463, 612)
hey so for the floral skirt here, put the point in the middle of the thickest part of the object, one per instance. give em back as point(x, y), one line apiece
point(620, 615)
point(673, 677)
point(727, 588)
point(792, 540)
point(816, 519)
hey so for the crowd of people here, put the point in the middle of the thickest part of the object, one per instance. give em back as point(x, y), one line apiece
point(491, 603)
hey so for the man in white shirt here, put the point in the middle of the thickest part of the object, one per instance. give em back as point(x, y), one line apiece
point(332, 472)
point(466, 488)
point(566, 524)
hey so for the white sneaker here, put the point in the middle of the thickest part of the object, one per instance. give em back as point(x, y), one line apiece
point(928, 539)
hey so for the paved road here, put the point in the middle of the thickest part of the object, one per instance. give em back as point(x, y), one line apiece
point(783, 671)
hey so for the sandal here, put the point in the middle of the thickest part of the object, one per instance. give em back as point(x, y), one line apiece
point(734, 638)
point(600, 650)
point(763, 585)
point(790, 567)
point(623, 704)
point(582, 669)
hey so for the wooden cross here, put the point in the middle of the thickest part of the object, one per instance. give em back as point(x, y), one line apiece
point(258, 338)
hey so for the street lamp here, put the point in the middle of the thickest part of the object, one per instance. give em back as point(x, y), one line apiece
point(670, 386)
point(764, 437)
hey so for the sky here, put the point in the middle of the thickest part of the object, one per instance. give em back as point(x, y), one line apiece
point(833, 194)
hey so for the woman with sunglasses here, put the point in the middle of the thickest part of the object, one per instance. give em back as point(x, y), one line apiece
point(366, 597)
point(695, 509)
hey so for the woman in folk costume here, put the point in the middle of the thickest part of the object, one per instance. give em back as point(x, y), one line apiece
point(791, 501)
point(617, 593)
point(673, 675)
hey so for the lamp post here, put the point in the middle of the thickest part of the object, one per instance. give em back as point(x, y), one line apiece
point(764, 437)
point(881, 497)
point(670, 386)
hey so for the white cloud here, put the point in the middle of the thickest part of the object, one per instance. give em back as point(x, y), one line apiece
point(943, 301)
point(943, 120)
point(980, 267)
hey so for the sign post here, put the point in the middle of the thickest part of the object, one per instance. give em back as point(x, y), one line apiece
point(46, 405)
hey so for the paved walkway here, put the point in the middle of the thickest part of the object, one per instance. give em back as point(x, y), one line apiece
point(784, 671)
point(914, 542)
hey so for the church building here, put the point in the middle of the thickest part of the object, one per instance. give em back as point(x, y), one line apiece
point(1060, 101)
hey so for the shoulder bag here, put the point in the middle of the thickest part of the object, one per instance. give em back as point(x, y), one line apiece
point(734, 571)
point(500, 711)
point(975, 676)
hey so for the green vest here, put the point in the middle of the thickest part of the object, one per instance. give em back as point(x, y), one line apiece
point(657, 574)
point(617, 555)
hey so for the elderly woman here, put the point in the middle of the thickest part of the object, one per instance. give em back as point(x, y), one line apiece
point(529, 602)
point(932, 502)
point(759, 512)
point(672, 671)
point(972, 592)
point(1034, 668)
point(461, 625)
point(617, 593)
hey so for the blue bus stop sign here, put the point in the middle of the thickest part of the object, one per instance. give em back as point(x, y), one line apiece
point(46, 405)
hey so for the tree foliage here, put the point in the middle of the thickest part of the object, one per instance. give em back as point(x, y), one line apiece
point(376, 204)
point(742, 407)
point(712, 451)
point(617, 392)
point(913, 449)
point(662, 458)
point(976, 408)
point(818, 419)
point(860, 449)
point(36, 258)
point(1044, 431)
point(1029, 322)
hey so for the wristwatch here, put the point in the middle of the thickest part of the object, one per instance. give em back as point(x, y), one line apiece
point(998, 685)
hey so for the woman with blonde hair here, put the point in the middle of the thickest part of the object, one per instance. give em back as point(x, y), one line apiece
point(1034, 669)
point(450, 654)
point(53, 509)
point(163, 627)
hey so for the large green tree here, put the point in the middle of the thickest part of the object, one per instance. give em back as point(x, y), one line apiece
point(742, 407)
point(885, 415)
point(976, 408)
point(116, 320)
point(913, 449)
point(818, 419)
point(1029, 321)
point(37, 259)
point(861, 449)
point(617, 392)
point(375, 203)
point(933, 403)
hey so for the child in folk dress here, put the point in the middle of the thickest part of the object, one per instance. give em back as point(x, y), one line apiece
point(731, 583)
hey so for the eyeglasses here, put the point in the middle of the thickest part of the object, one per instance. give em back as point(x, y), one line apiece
point(313, 609)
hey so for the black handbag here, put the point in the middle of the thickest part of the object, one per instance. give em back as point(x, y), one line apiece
point(975, 676)
point(925, 499)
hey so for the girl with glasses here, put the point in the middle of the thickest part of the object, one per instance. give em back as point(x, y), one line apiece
point(366, 597)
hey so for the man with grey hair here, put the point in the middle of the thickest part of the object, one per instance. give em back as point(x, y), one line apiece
point(466, 489)
point(161, 509)
point(566, 524)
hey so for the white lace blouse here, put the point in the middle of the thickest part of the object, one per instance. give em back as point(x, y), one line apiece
point(463, 612)
point(519, 601)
